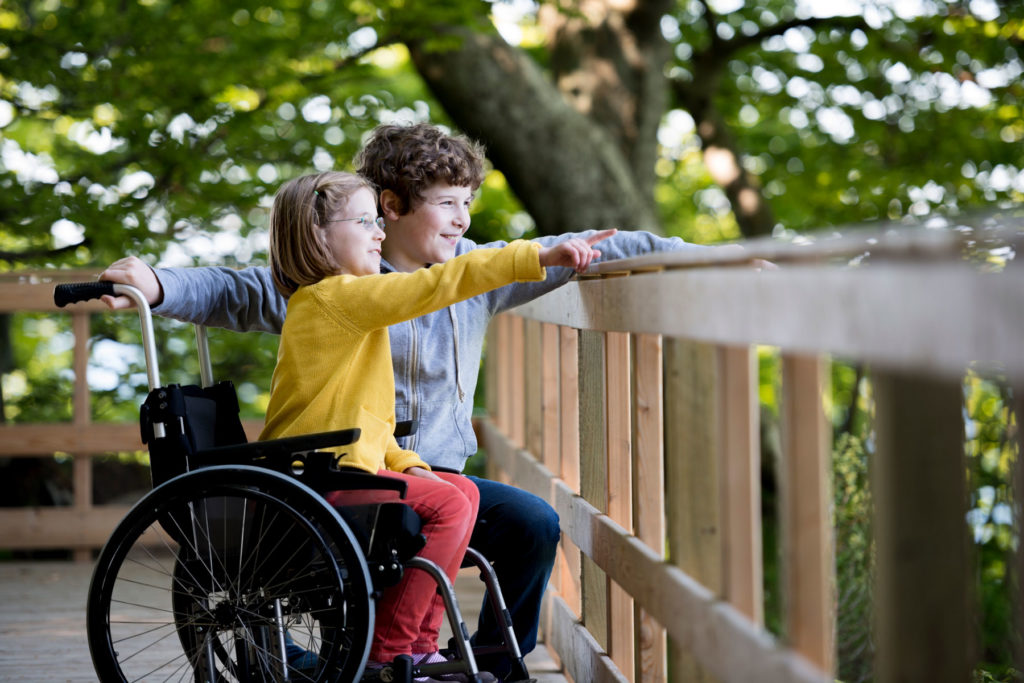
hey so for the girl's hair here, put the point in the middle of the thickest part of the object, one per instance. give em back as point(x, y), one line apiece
point(298, 254)
point(408, 159)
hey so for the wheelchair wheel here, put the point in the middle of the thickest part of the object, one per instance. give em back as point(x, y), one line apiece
point(223, 574)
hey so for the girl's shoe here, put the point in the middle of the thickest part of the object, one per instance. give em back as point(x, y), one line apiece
point(456, 677)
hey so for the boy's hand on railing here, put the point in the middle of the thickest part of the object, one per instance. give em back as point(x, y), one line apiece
point(132, 271)
point(575, 253)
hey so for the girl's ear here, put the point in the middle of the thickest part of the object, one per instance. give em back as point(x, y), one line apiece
point(390, 205)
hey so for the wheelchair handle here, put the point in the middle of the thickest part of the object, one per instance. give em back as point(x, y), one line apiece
point(76, 292)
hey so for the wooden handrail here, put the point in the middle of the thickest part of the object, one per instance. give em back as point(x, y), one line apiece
point(629, 400)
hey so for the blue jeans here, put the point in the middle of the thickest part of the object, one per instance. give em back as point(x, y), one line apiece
point(518, 533)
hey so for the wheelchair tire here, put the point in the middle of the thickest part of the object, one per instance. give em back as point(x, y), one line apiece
point(211, 572)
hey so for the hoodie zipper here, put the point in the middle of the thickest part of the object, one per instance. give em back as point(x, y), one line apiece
point(458, 365)
point(414, 365)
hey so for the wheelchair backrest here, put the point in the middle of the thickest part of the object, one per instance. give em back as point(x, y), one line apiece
point(195, 418)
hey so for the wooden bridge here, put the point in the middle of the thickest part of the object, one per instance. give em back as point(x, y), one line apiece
point(630, 400)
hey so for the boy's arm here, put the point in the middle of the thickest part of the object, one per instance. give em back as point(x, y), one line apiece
point(240, 300)
point(213, 296)
point(623, 244)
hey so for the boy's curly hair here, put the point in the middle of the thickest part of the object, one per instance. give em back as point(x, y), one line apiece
point(407, 159)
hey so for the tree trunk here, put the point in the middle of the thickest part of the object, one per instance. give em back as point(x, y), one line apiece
point(567, 170)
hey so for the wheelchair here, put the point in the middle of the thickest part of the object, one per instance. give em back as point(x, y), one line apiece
point(234, 561)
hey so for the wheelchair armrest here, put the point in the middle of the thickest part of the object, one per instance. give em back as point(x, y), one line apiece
point(289, 444)
point(351, 479)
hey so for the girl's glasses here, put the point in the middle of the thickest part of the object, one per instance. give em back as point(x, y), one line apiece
point(363, 221)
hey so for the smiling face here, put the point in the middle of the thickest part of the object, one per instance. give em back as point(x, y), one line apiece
point(352, 235)
point(428, 233)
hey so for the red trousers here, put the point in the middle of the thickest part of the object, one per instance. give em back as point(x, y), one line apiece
point(409, 614)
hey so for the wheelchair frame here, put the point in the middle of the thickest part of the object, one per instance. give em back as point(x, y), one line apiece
point(234, 559)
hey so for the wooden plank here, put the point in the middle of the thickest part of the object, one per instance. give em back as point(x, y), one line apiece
point(649, 489)
point(569, 557)
point(923, 620)
point(533, 400)
point(691, 476)
point(619, 488)
point(593, 473)
point(515, 385)
point(739, 436)
point(921, 316)
point(81, 411)
point(582, 656)
point(58, 527)
point(808, 564)
point(34, 440)
point(728, 644)
point(905, 242)
point(550, 422)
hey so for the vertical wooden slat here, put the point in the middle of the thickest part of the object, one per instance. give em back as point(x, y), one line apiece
point(550, 443)
point(532, 388)
point(924, 624)
point(649, 489)
point(691, 475)
point(805, 511)
point(81, 417)
point(515, 387)
point(569, 448)
point(551, 370)
point(593, 474)
point(740, 441)
point(618, 431)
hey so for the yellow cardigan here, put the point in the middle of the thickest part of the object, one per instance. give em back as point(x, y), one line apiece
point(334, 360)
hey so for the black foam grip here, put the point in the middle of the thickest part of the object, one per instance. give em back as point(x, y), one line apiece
point(74, 292)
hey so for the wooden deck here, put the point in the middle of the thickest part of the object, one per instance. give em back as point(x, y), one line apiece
point(42, 623)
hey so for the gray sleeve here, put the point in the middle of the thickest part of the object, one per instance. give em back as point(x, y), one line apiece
point(623, 244)
point(241, 300)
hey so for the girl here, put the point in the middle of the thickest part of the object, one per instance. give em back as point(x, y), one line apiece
point(334, 365)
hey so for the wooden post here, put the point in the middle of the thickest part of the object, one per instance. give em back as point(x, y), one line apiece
point(923, 622)
point(515, 388)
point(550, 419)
point(739, 436)
point(593, 474)
point(532, 389)
point(569, 448)
point(81, 417)
point(649, 489)
point(619, 492)
point(805, 511)
point(691, 475)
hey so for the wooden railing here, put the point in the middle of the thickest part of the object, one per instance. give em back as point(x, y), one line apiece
point(629, 401)
point(82, 526)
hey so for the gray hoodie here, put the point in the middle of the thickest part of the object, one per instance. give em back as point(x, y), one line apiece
point(436, 357)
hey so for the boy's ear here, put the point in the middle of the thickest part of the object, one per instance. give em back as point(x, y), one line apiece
point(390, 205)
